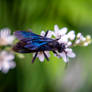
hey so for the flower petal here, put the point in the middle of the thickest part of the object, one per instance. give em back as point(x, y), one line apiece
point(40, 56)
point(71, 35)
point(10, 39)
point(63, 39)
point(12, 64)
point(77, 41)
point(85, 44)
point(9, 57)
point(56, 28)
point(5, 67)
point(70, 53)
point(69, 43)
point(5, 36)
point(65, 58)
point(50, 33)
point(42, 33)
point(79, 35)
point(63, 31)
point(6, 62)
point(5, 32)
point(47, 53)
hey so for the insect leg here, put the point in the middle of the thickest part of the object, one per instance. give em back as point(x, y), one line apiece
point(46, 34)
point(45, 56)
point(56, 53)
point(34, 57)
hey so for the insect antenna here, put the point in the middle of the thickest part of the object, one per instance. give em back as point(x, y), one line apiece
point(46, 33)
point(45, 56)
point(57, 39)
point(34, 57)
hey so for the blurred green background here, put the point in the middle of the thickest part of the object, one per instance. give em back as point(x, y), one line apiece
point(48, 76)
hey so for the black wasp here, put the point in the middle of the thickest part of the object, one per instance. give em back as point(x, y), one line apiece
point(30, 42)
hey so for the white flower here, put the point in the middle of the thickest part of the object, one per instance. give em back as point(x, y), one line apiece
point(49, 35)
point(88, 40)
point(77, 41)
point(58, 33)
point(85, 44)
point(63, 39)
point(83, 41)
point(68, 53)
point(81, 37)
point(6, 61)
point(69, 44)
point(71, 35)
point(88, 37)
point(63, 36)
point(41, 56)
point(5, 37)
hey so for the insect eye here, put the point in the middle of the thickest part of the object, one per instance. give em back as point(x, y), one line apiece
point(63, 46)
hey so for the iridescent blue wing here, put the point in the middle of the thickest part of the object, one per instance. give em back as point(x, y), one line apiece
point(30, 42)
point(28, 46)
point(35, 44)
point(23, 35)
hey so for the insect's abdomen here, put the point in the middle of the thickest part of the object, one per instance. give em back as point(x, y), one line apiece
point(19, 47)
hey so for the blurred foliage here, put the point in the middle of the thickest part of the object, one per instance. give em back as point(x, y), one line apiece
point(43, 15)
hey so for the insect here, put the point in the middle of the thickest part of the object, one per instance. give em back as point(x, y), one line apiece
point(30, 42)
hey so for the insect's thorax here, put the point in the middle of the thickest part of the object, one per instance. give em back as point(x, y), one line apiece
point(52, 46)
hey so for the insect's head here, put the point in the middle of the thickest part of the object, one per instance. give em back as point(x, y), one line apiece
point(61, 47)
point(57, 46)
